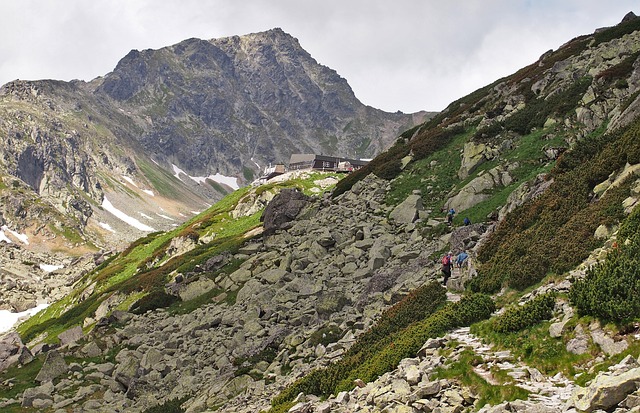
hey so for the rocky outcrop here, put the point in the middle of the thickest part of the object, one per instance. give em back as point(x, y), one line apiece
point(609, 389)
point(408, 210)
point(54, 366)
point(478, 189)
point(283, 209)
point(29, 278)
point(525, 192)
point(473, 155)
point(13, 351)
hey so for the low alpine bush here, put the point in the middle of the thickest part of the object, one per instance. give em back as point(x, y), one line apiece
point(519, 317)
point(611, 289)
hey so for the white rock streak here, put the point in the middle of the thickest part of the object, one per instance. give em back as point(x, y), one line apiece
point(124, 217)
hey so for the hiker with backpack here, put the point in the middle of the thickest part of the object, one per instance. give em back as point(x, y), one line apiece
point(462, 259)
point(447, 263)
point(450, 215)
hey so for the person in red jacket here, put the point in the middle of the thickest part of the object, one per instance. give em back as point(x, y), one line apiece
point(447, 263)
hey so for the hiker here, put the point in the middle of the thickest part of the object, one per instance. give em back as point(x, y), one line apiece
point(447, 262)
point(450, 215)
point(462, 259)
point(466, 221)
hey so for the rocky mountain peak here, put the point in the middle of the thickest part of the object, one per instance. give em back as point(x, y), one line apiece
point(628, 17)
point(190, 122)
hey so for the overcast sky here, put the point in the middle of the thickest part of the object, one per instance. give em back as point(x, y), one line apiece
point(406, 55)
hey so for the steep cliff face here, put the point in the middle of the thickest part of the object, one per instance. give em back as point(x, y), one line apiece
point(171, 131)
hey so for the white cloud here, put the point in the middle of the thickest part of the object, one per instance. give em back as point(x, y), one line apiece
point(406, 54)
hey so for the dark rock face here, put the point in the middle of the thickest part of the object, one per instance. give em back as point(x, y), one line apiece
point(283, 209)
point(30, 168)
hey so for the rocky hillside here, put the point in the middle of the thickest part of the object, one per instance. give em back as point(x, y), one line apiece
point(300, 296)
point(167, 133)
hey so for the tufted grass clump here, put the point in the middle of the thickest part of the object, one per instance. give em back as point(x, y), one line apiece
point(462, 370)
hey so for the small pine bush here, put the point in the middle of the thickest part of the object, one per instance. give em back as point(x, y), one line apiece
point(540, 236)
point(611, 289)
point(375, 354)
point(171, 406)
point(152, 301)
point(519, 317)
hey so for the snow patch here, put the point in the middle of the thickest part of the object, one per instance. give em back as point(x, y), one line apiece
point(9, 319)
point(4, 238)
point(108, 206)
point(126, 178)
point(106, 226)
point(50, 268)
point(177, 171)
point(21, 237)
point(148, 192)
point(165, 217)
point(230, 181)
point(145, 216)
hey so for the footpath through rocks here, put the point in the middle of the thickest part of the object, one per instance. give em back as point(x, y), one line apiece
point(414, 386)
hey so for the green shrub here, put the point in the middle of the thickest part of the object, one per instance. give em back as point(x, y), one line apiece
point(246, 364)
point(616, 31)
point(152, 301)
point(418, 304)
point(519, 317)
point(171, 406)
point(611, 289)
point(325, 335)
point(431, 140)
point(539, 237)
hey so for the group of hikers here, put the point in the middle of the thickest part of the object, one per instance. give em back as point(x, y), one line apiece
point(452, 213)
point(461, 260)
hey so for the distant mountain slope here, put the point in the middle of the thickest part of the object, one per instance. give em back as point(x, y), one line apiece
point(217, 111)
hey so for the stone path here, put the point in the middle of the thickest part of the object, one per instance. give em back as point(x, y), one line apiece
point(552, 392)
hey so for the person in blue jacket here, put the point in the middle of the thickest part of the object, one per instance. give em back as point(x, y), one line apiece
point(462, 259)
